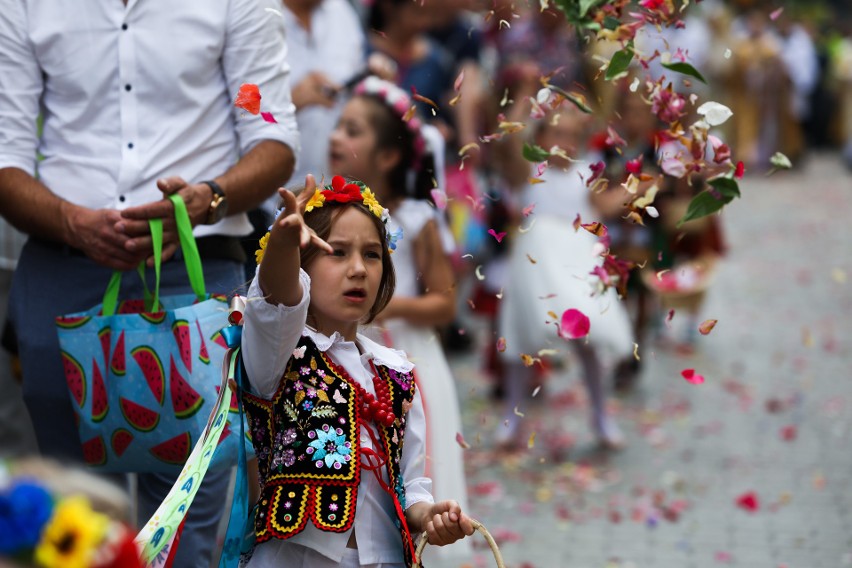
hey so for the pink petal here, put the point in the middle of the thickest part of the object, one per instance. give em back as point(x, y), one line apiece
point(574, 324)
point(458, 82)
point(460, 441)
point(788, 433)
point(738, 173)
point(440, 198)
point(673, 167)
point(748, 502)
point(692, 377)
point(267, 116)
point(707, 326)
point(501, 344)
point(539, 169)
point(775, 13)
point(496, 235)
point(527, 211)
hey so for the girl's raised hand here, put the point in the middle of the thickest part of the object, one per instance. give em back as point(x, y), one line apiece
point(290, 228)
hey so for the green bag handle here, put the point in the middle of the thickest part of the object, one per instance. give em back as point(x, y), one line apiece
point(191, 258)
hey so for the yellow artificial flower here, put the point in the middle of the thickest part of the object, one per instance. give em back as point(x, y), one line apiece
point(371, 202)
point(258, 254)
point(316, 200)
point(72, 535)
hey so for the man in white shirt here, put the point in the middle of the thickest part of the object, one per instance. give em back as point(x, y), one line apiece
point(137, 101)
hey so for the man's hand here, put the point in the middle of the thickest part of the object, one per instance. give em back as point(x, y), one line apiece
point(93, 231)
point(444, 522)
point(315, 90)
point(134, 220)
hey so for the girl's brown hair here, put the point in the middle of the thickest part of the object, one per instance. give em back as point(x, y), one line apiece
point(321, 220)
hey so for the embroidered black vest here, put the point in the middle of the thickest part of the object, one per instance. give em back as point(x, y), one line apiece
point(307, 442)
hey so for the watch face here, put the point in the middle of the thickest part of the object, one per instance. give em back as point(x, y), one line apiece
point(218, 210)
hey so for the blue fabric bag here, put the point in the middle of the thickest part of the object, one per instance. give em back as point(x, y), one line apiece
point(143, 375)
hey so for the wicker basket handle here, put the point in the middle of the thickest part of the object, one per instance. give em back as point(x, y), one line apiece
point(424, 539)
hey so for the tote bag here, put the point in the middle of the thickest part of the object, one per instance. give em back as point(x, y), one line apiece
point(144, 374)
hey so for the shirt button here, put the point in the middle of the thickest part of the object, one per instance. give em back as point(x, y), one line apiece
point(130, 145)
point(121, 198)
point(127, 87)
point(124, 27)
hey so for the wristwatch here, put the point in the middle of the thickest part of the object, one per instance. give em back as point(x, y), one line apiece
point(218, 206)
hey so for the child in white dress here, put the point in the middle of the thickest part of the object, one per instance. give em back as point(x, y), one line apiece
point(550, 271)
point(373, 142)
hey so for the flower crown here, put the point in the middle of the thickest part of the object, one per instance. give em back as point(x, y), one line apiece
point(52, 531)
point(341, 191)
point(400, 103)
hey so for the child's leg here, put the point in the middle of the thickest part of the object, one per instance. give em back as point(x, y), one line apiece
point(517, 379)
point(604, 428)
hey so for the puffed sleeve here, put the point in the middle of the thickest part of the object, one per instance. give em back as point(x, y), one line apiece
point(270, 333)
point(418, 487)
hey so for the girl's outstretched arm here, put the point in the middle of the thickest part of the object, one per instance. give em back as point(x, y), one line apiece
point(444, 522)
point(278, 275)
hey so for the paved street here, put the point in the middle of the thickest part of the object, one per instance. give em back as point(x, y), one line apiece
point(771, 426)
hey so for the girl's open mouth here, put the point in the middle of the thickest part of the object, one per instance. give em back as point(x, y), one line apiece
point(355, 295)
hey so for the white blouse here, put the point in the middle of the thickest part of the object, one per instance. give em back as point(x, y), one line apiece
point(270, 334)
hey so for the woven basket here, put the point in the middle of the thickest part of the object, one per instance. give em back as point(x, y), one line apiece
point(423, 541)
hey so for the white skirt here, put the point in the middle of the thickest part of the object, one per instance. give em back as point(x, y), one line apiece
point(549, 271)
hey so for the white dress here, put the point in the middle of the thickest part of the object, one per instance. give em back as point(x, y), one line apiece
point(422, 345)
point(549, 271)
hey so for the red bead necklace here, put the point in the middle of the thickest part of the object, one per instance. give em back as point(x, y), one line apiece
point(376, 408)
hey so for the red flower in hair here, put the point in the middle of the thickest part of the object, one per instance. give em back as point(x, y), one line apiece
point(342, 192)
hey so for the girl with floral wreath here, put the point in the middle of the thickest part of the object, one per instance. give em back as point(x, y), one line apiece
point(336, 419)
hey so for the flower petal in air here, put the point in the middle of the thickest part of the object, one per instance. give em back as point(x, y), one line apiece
point(692, 377)
point(673, 167)
point(440, 198)
point(268, 117)
point(714, 113)
point(497, 236)
point(748, 502)
point(707, 326)
point(248, 98)
point(461, 442)
point(573, 324)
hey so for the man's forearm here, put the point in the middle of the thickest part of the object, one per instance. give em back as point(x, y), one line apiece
point(30, 206)
point(257, 175)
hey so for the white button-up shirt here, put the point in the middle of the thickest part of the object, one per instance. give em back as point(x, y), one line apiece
point(270, 334)
point(130, 94)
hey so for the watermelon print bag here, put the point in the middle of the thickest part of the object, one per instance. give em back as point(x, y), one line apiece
point(143, 380)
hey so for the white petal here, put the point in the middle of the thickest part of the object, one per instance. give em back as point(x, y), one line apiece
point(715, 113)
point(543, 96)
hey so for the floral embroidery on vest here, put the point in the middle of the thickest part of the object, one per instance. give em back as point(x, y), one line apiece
point(307, 441)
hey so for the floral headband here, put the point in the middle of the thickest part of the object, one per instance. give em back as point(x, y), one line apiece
point(401, 104)
point(341, 191)
point(49, 531)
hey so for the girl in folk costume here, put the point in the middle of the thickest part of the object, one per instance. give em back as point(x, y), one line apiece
point(375, 142)
point(336, 419)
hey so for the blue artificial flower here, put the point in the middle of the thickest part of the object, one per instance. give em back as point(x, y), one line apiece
point(24, 510)
point(331, 447)
point(393, 238)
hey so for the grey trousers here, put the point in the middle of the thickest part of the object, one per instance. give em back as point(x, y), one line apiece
point(52, 280)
